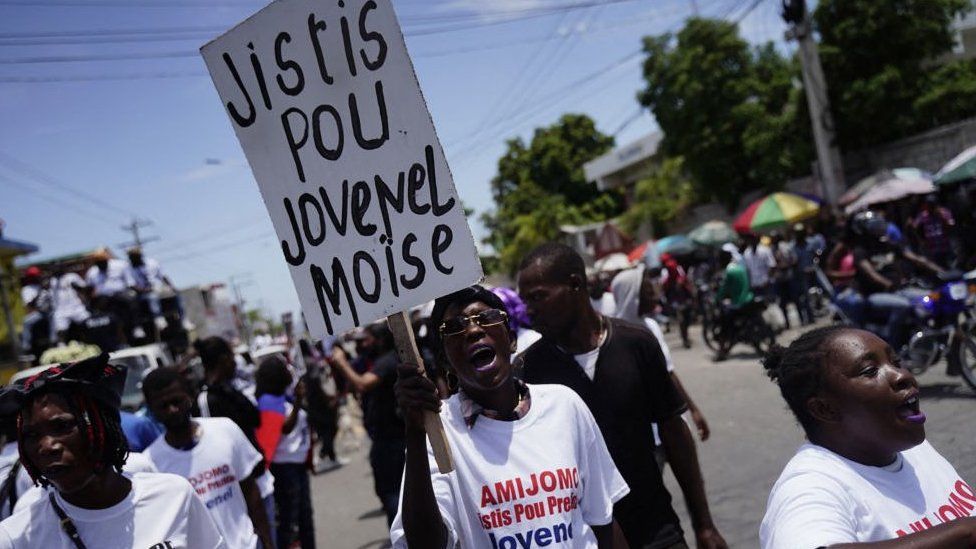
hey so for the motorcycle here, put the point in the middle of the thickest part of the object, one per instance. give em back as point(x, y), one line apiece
point(945, 327)
point(942, 324)
point(748, 326)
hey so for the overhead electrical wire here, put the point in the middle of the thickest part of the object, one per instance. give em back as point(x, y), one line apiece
point(35, 174)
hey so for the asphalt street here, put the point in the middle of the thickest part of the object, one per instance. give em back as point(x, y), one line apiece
point(753, 436)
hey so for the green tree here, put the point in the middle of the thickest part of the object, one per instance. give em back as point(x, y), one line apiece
point(659, 198)
point(881, 62)
point(730, 110)
point(540, 186)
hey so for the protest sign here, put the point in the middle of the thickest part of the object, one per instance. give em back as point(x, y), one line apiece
point(323, 98)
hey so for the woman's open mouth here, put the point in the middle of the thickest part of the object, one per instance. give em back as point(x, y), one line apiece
point(910, 411)
point(482, 357)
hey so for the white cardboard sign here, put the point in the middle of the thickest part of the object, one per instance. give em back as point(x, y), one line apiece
point(324, 100)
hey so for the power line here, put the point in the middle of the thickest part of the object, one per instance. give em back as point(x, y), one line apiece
point(97, 57)
point(68, 206)
point(100, 77)
point(37, 175)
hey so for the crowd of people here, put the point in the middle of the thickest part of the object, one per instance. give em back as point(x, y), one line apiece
point(559, 399)
point(113, 304)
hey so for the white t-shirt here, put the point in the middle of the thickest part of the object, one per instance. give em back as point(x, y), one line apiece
point(148, 275)
point(114, 279)
point(136, 463)
point(67, 305)
point(215, 467)
point(587, 361)
point(758, 262)
point(160, 511)
point(293, 446)
point(542, 479)
point(822, 498)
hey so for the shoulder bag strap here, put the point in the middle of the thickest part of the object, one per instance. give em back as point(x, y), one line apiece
point(66, 524)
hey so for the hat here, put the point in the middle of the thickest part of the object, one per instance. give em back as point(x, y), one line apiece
point(93, 376)
point(32, 272)
point(101, 254)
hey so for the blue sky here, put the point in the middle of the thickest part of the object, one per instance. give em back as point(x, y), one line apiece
point(87, 144)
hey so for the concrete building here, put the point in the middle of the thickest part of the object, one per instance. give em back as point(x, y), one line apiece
point(964, 32)
point(624, 166)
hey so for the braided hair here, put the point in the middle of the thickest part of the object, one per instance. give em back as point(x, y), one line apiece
point(100, 424)
point(799, 370)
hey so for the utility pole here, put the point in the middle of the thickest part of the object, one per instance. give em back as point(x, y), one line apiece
point(236, 282)
point(137, 240)
point(815, 85)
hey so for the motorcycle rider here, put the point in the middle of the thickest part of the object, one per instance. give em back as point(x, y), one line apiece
point(733, 294)
point(882, 268)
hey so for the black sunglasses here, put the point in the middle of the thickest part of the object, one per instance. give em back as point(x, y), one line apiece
point(457, 325)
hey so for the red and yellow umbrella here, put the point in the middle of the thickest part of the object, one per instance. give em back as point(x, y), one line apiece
point(775, 210)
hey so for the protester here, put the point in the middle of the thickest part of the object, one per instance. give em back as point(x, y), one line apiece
point(109, 277)
point(70, 440)
point(102, 328)
point(518, 320)
point(286, 440)
point(500, 428)
point(635, 295)
point(933, 228)
point(867, 474)
point(323, 413)
point(148, 278)
point(69, 309)
point(14, 480)
point(678, 293)
point(219, 398)
point(759, 261)
point(808, 249)
point(214, 455)
point(785, 280)
point(627, 388)
point(383, 421)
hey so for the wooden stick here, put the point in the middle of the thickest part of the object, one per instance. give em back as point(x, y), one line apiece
point(407, 352)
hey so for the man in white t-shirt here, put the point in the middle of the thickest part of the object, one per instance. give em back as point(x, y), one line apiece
point(214, 455)
point(759, 261)
point(68, 308)
point(108, 276)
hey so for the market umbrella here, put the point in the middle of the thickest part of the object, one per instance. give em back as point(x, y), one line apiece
point(960, 168)
point(877, 178)
point(676, 244)
point(890, 190)
point(713, 233)
point(775, 210)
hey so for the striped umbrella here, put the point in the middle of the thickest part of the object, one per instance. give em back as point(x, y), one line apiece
point(775, 210)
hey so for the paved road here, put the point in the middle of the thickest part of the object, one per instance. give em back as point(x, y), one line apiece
point(753, 436)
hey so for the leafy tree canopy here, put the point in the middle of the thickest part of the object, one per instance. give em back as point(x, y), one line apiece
point(659, 198)
point(882, 65)
point(733, 112)
point(540, 185)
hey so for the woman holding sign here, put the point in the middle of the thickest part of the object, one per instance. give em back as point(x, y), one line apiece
point(531, 466)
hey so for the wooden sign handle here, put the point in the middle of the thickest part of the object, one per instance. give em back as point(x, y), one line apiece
point(407, 352)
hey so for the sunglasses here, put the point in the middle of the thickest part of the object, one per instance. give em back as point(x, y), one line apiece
point(458, 325)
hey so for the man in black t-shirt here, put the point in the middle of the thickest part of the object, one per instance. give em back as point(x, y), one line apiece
point(382, 419)
point(619, 371)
